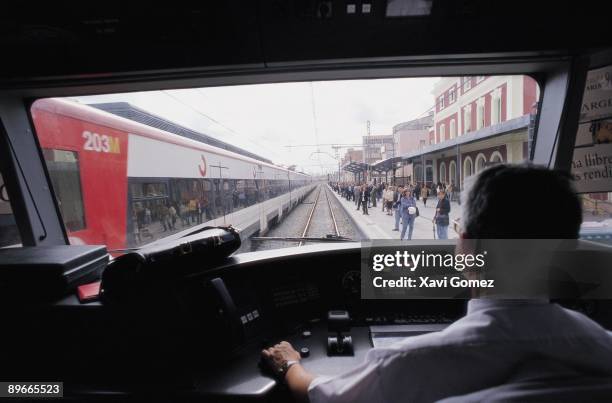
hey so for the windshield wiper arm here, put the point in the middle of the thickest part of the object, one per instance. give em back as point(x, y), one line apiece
point(161, 241)
point(327, 238)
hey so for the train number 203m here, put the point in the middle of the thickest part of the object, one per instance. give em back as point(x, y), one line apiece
point(100, 143)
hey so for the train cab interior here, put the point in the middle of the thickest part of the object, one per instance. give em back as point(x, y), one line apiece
point(196, 332)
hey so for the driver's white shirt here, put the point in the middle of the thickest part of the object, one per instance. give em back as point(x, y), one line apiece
point(481, 350)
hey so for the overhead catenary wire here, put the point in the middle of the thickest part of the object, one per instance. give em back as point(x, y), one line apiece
point(314, 120)
point(207, 116)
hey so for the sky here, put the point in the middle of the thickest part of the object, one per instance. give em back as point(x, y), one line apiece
point(266, 118)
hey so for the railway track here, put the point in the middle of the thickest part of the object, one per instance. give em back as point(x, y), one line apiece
point(318, 219)
point(334, 224)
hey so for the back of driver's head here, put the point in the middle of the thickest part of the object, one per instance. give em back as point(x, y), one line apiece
point(521, 202)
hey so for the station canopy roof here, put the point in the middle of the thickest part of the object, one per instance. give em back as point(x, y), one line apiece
point(355, 167)
point(500, 129)
point(387, 165)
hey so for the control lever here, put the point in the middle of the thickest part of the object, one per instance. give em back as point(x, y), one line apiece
point(228, 310)
point(337, 323)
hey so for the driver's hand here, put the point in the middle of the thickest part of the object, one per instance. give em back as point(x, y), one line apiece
point(276, 356)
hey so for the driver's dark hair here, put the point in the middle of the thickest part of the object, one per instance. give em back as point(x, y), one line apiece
point(521, 202)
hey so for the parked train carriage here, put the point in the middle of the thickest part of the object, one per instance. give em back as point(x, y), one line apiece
point(123, 184)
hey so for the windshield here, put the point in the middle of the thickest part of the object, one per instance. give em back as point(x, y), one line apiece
point(287, 164)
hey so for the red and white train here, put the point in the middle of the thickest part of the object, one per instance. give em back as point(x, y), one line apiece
point(123, 184)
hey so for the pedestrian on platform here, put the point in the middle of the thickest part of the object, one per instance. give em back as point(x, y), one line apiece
point(148, 218)
point(365, 198)
point(450, 190)
point(408, 211)
point(388, 199)
point(373, 195)
point(165, 217)
point(424, 194)
point(396, 206)
point(442, 219)
point(173, 216)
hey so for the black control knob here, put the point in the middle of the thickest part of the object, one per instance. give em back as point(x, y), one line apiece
point(304, 352)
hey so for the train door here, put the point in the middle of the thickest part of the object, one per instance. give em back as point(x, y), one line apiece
point(64, 170)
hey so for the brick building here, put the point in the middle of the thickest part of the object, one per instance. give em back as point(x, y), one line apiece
point(477, 121)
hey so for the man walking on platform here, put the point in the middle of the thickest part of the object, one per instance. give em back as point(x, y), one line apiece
point(373, 195)
point(424, 194)
point(364, 198)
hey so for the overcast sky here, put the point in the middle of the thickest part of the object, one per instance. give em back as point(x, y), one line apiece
point(264, 118)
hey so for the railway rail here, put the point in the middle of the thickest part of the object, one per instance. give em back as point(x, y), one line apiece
point(322, 220)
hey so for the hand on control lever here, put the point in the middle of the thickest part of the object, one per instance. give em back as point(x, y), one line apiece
point(277, 357)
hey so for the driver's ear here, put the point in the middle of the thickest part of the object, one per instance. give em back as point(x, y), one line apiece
point(465, 244)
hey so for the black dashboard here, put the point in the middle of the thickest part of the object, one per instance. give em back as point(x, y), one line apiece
point(200, 335)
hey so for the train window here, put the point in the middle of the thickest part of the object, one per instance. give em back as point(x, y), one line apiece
point(9, 233)
point(64, 170)
point(592, 160)
point(138, 167)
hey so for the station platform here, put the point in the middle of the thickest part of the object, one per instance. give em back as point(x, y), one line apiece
point(379, 225)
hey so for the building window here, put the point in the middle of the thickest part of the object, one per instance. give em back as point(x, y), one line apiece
point(467, 168)
point(496, 158)
point(480, 115)
point(481, 162)
point(442, 132)
point(440, 101)
point(467, 83)
point(442, 175)
point(453, 129)
point(467, 119)
point(496, 109)
point(452, 172)
point(452, 95)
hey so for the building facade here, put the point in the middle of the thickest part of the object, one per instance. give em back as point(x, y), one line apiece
point(374, 145)
point(412, 135)
point(477, 121)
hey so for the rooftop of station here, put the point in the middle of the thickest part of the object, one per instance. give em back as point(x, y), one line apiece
point(488, 132)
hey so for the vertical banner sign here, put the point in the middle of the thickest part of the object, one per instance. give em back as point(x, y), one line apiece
point(592, 160)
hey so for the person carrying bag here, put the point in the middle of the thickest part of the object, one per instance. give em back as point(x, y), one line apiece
point(442, 219)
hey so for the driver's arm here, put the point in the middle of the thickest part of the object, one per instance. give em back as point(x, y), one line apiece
point(298, 379)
